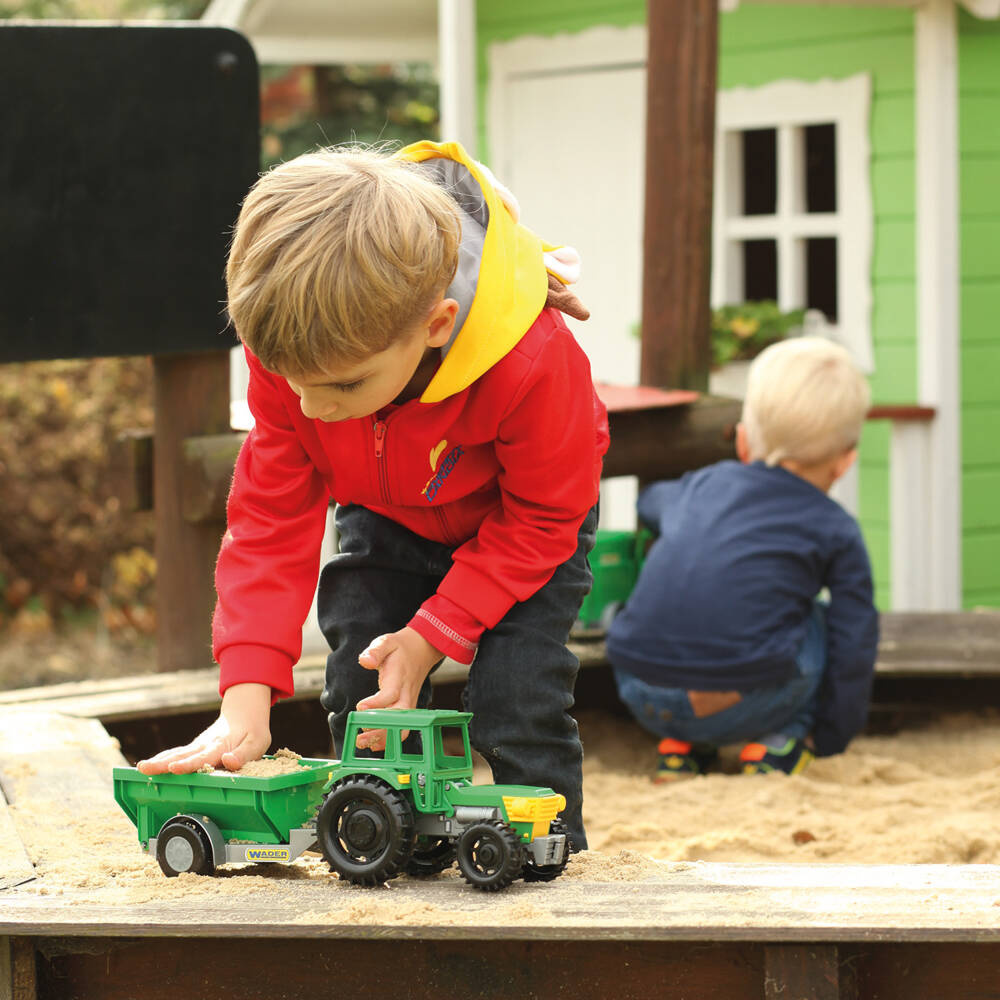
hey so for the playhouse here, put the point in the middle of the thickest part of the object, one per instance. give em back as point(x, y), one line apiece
point(857, 150)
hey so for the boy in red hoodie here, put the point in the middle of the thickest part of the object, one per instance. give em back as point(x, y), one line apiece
point(404, 362)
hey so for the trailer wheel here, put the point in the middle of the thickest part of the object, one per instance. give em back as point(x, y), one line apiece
point(365, 830)
point(183, 846)
point(546, 873)
point(430, 856)
point(490, 855)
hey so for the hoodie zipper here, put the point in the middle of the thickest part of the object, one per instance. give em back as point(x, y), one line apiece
point(380, 427)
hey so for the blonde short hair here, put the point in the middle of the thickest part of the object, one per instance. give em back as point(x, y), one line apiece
point(806, 401)
point(335, 255)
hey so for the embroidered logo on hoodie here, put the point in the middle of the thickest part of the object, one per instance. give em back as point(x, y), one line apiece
point(449, 462)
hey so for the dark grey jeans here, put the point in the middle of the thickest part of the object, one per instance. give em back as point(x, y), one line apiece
point(520, 685)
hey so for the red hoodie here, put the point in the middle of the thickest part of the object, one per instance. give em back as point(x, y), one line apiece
point(506, 470)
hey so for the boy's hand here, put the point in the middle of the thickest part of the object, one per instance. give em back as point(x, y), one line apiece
point(403, 660)
point(240, 734)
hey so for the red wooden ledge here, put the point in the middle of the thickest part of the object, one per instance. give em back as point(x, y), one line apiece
point(907, 412)
point(619, 398)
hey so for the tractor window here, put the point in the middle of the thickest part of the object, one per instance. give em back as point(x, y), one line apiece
point(411, 751)
point(451, 747)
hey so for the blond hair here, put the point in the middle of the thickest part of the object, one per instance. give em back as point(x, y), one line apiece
point(335, 255)
point(806, 402)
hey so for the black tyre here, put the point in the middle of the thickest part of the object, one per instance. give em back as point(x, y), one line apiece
point(490, 855)
point(365, 830)
point(183, 846)
point(430, 856)
point(546, 873)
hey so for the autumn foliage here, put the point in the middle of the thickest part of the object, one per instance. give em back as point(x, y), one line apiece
point(69, 544)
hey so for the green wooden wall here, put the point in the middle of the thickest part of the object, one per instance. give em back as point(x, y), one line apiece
point(979, 233)
point(760, 43)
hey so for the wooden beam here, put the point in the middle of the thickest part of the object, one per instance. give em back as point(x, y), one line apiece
point(666, 442)
point(191, 394)
point(677, 240)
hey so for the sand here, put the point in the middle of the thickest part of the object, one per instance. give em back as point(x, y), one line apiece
point(929, 795)
point(924, 796)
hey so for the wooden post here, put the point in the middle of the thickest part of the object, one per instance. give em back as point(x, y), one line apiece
point(677, 242)
point(18, 978)
point(191, 393)
point(807, 972)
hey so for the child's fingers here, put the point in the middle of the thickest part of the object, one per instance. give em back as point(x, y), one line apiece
point(371, 739)
point(383, 698)
point(373, 656)
point(160, 764)
point(186, 765)
point(233, 760)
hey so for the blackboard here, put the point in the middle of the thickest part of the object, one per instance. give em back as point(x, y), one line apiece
point(125, 152)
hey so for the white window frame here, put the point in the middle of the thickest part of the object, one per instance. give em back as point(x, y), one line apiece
point(788, 106)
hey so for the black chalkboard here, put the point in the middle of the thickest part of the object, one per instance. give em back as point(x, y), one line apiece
point(125, 152)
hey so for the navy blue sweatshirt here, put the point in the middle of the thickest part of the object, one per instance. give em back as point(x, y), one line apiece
point(727, 588)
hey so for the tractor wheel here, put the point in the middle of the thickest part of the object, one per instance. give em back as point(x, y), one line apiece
point(430, 856)
point(183, 846)
point(365, 830)
point(490, 855)
point(546, 873)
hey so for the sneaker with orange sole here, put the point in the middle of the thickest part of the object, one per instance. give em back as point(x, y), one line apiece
point(776, 753)
point(679, 760)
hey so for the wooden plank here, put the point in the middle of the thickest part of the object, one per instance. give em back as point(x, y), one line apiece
point(619, 398)
point(958, 643)
point(62, 762)
point(497, 970)
point(505, 970)
point(184, 691)
point(914, 644)
point(619, 901)
point(803, 972)
point(15, 865)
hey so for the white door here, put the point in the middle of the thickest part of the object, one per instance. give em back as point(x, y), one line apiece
point(566, 135)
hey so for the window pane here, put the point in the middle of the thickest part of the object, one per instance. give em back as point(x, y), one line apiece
point(821, 168)
point(821, 276)
point(760, 270)
point(760, 171)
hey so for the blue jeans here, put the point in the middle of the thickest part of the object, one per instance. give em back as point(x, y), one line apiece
point(788, 708)
point(520, 685)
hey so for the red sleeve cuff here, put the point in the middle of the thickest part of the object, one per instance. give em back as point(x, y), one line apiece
point(249, 664)
point(448, 628)
point(465, 584)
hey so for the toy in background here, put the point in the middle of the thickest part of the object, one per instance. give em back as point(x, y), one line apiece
point(408, 810)
point(615, 561)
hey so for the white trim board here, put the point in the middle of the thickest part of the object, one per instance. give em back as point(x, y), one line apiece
point(988, 10)
point(938, 313)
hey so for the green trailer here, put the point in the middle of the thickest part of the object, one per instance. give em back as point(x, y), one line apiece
point(414, 809)
point(194, 822)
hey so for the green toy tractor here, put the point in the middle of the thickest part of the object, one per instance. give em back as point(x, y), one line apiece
point(372, 817)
